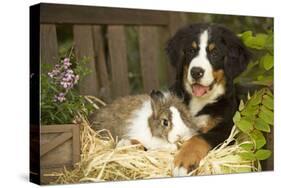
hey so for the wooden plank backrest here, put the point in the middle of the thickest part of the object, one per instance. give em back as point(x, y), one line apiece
point(103, 77)
point(118, 60)
point(148, 43)
point(73, 14)
point(110, 77)
point(84, 48)
point(49, 46)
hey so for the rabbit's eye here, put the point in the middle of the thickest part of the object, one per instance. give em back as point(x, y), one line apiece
point(165, 123)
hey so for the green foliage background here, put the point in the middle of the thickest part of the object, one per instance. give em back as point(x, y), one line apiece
point(255, 116)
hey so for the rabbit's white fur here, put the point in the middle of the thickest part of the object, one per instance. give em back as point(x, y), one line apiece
point(179, 130)
point(140, 130)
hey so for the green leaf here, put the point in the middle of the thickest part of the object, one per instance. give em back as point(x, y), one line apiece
point(247, 156)
point(267, 111)
point(244, 125)
point(263, 154)
point(247, 146)
point(258, 138)
point(241, 105)
point(268, 101)
point(260, 40)
point(266, 117)
point(255, 100)
point(265, 81)
point(268, 92)
point(236, 117)
point(269, 43)
point(246, 35)
point(256, 42)
point(250, 110)
point(267, 61)
point(261, 125)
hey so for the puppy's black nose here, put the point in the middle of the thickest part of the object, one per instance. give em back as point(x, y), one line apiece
point(196, 73)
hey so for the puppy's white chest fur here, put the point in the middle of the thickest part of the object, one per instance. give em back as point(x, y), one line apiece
point(198, 103)
point(201, 121)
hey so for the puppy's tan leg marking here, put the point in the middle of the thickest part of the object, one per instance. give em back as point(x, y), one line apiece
point(191, 153)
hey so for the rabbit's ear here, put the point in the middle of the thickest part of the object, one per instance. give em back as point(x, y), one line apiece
point(156, 95)
point(156, 98)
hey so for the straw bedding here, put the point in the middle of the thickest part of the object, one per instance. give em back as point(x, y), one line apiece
point(102, 161)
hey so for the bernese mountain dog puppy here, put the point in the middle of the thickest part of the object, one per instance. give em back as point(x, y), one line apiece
point(207, 58)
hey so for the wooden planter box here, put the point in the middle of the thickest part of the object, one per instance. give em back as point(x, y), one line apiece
point(59, 148)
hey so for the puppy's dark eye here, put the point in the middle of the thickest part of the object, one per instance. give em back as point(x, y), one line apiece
point(190, 51)
point(165, 122)
point(213, 53)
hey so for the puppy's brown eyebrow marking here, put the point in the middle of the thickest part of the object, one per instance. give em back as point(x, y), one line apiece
point(194, 45)
point(211, 46)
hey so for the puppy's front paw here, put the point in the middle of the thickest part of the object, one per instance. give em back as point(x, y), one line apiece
point(190, 155)
point(180, 171)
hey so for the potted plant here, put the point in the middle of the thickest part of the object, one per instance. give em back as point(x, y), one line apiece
point(61, 104)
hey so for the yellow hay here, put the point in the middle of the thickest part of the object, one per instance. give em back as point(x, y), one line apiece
point(102, 161)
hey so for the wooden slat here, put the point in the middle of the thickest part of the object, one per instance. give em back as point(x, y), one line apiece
point(148, 42)
point(57, 128)
point(75, 145)
point(83, 42)
point(45, 148)
point(103, 76)
point(118, 61)
point(74, 14)
point(164, 78)
point(48, 44)
point(176, 21)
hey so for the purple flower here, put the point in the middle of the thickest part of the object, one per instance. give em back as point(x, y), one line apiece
point(50, 74)
point(66, 63)
point(69, 71)
point(66, 60)
point(60, 97)
point(64, 77)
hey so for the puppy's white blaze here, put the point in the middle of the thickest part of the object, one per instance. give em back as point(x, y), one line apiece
point(179, 130)
point(140, 130)
point(202, 61)
point(203, 42)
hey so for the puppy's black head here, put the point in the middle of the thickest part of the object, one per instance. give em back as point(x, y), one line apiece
point(207, 58)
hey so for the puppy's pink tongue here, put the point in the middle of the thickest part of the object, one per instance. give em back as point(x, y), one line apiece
point(199, 90)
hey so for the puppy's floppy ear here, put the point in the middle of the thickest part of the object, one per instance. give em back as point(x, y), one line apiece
point(175, 46)
point(238, 56)
point(174, 49)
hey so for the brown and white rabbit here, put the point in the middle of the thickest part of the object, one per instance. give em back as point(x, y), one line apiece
point(157, 121)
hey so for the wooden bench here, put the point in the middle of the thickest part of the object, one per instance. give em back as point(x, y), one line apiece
point(153, 29)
